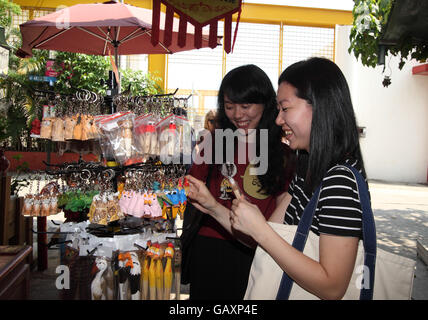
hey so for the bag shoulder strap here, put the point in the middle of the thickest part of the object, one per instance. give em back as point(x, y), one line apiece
point(369, 237)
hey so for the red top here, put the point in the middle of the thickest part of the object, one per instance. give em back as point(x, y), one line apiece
point(220, 190)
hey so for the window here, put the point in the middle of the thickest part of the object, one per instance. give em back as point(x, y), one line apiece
point(198, 72)
point(256, 44)
point(135, 62)
point(304, 42)
point(198, 69)
point(41, 13)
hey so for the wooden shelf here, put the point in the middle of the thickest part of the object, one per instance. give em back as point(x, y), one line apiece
point(14, 272)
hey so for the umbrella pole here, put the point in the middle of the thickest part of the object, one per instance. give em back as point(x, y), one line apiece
point(116, 60)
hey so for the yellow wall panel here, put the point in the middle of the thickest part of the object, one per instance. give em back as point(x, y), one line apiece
point(157, 67)
point(301, 16)
point(68, 3)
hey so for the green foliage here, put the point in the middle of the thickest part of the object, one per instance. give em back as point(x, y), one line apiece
point(17, 98)
point(370, 16)
point(80, 71)
point(76, 201)
point(139, 83)
point(7, 8)
point(370, 20)
point(17, 105)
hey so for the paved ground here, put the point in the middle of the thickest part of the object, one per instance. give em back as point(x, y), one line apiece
point(401, 214)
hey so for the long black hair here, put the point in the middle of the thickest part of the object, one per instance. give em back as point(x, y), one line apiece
point(334, 132)
point(250, 84)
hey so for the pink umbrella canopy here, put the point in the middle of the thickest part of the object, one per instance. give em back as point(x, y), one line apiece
point(101, 28)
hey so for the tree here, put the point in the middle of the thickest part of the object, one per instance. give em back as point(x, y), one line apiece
point(370, 16)
point(80, 71)
point(369, 26)
point(7, 9)
point(139, 83)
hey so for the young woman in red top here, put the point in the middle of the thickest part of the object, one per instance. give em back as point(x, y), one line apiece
point(221, 256)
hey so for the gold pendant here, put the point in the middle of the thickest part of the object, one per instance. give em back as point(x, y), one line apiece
point(252, 184)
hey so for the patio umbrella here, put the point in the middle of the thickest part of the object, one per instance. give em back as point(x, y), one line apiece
point(101, 28)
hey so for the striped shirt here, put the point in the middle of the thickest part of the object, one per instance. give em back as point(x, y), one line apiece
point(338, 211)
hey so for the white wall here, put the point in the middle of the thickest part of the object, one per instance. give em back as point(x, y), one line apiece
point(396, 118)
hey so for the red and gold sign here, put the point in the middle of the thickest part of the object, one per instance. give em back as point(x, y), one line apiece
point(199, 13)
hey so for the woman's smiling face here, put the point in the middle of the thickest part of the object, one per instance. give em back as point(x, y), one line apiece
point(244, 116)
point(294, 117)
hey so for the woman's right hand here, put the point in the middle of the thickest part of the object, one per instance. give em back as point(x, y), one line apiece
point(200, 196)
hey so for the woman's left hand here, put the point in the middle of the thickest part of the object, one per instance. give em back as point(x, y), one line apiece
point(246, 217)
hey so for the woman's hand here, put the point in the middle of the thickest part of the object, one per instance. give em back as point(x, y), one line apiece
point(200, 196)
point(246, 217)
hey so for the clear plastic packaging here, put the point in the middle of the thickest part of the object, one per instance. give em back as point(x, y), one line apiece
point(140, 125)
point(184, 130)
point(146, 137)
point(169, 139)
point(118, 130)
point(104, 143)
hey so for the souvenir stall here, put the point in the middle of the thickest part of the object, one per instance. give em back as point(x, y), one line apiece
point(119, 239)
point(120, 231)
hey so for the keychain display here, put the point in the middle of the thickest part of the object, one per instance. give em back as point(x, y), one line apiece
point(58, 131)
point(127, 267)
point(61, 123)
point(168, 273)
point(154, 195)
point(169, 139)
point(129, 275)
point(104, 209)
point(41, 203)
point(69, 124)
point(118, 237)
point(105, 206)
point(146, 137)
point(102, 285)
point(118, 129)
point(46, 128)
point(144, 127)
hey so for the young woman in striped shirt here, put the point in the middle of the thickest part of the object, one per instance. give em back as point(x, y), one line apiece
point(317, 117)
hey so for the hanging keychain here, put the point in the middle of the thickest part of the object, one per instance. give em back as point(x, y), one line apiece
point(168, 273)
point(145, 274)
point(159, 274)
point(27, 209)
point(37, 205)
point(69, 124)
point(152, 272)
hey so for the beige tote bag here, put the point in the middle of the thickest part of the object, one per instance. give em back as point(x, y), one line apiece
point(393, 276)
